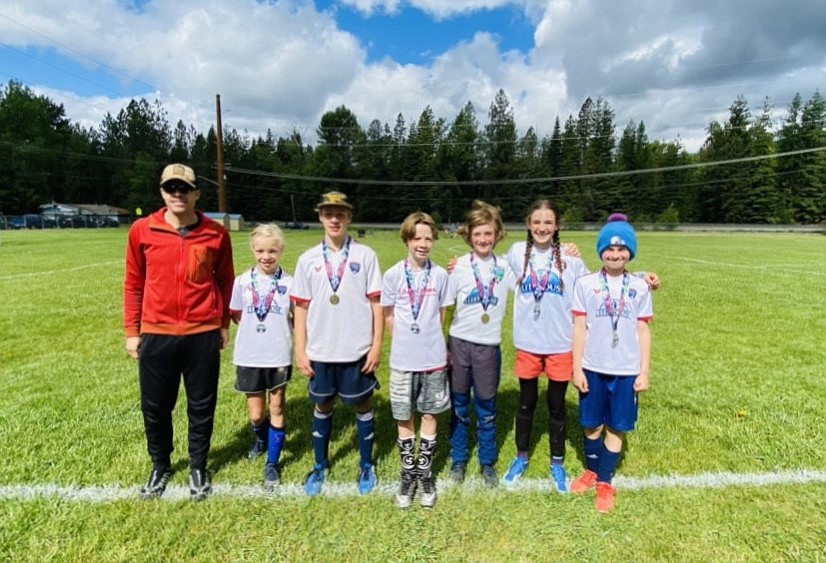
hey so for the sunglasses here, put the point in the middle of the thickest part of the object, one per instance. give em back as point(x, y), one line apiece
point(172, 188)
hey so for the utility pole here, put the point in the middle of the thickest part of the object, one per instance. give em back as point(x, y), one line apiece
point(219, 137)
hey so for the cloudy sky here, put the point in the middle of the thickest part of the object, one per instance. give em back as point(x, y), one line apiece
point(674, 64)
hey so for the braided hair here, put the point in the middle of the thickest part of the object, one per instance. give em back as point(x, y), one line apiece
point(555, 245)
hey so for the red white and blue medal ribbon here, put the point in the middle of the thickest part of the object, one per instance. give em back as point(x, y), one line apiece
point(335, 277)
point(539, 285)
point(259, 305)
point(416, 294)
point(485, 293)
point(609, 303)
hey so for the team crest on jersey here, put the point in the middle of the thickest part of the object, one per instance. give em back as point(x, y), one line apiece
point(282, 289)
point(632, 293)
point(355, 267)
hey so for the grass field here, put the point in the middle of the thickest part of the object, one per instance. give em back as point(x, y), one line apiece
point(727, 462)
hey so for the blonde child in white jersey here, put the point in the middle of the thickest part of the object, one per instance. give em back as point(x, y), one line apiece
point(261, 306)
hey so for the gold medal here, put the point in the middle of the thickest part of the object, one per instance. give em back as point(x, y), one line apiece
point(334, 299)
point(485, 318)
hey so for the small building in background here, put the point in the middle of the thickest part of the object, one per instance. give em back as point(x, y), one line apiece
point(231, 221)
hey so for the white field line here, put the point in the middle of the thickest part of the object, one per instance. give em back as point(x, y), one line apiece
point(110, 493)
point(52, 272)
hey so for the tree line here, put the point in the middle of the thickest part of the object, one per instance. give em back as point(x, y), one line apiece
point(747, 170)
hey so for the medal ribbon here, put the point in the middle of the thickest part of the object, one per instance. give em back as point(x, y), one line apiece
point(416, 296)
point(609, 303)
point(540, 285)
point(485, 294)
point(263, 307)
point(335, 277)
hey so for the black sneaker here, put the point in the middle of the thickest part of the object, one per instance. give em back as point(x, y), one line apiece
point(157, 482)
point(489, 476)
point(428, 497)
point(457, 472)
point(271, 476)
point(200, 484)
point(259, 448)
point(407, 490)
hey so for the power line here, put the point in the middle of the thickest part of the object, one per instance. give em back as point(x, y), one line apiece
point(520, 181)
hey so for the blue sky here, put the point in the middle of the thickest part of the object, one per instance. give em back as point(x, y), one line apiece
point(280, 64)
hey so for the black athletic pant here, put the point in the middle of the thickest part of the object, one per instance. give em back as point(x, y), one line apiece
point(163, 360)
point(528, 396)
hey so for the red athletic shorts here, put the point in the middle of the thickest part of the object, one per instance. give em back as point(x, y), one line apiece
point(556, 367)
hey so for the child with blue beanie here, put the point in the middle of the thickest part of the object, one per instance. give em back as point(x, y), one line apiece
point(611, 356)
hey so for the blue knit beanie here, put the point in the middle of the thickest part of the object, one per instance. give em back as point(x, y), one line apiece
point(617, 231)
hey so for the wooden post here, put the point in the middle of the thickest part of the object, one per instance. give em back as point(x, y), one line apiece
point(219, 137)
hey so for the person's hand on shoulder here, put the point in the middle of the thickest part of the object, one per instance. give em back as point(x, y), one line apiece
point(571, 249)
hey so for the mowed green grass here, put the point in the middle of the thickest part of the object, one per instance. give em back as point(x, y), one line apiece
point(737, 388)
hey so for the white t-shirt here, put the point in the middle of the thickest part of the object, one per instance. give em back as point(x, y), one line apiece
point(423, 349)
point(589, 299)
point(341, 332)
point(467, 321)
point(551, 331)
point(263, 343)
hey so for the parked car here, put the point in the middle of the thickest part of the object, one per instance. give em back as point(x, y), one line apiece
point(296, 225)
point(32, 221)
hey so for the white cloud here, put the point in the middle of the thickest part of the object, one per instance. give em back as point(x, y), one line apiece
point(280, 65)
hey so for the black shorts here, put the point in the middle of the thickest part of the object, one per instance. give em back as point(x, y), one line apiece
point(258, 380)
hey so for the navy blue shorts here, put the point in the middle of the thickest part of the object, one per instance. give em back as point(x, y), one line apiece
point(341, 379)
point(610, 400)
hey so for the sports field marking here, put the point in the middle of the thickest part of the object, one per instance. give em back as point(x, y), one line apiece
point(62, 270)
point(111, 493)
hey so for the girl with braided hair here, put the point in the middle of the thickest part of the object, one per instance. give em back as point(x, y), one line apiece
point(542, 331)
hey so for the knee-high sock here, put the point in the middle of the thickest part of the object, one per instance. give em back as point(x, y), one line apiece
point(322, 427)
point(365, 426)
point(275, 444)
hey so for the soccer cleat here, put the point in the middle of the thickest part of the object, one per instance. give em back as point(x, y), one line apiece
point(559, 477)
point(515, 471)
point(407, 490)
point(605, 497)
point(457, 472)
point(583, 482)
point(258, 448)
point(271, 476)
point(489, 476)
point(367, 479)
point(200, 484)
point(156, 485)
point(315, 480)
point(428, 496)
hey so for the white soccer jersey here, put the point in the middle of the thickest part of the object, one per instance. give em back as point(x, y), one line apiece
point(468, 323)
point(589, 299)
point(340, 332)
point(417, 345)
point(263, 343)
point(551, 331)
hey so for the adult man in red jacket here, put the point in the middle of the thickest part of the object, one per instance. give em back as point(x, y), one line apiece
point(178, 283)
